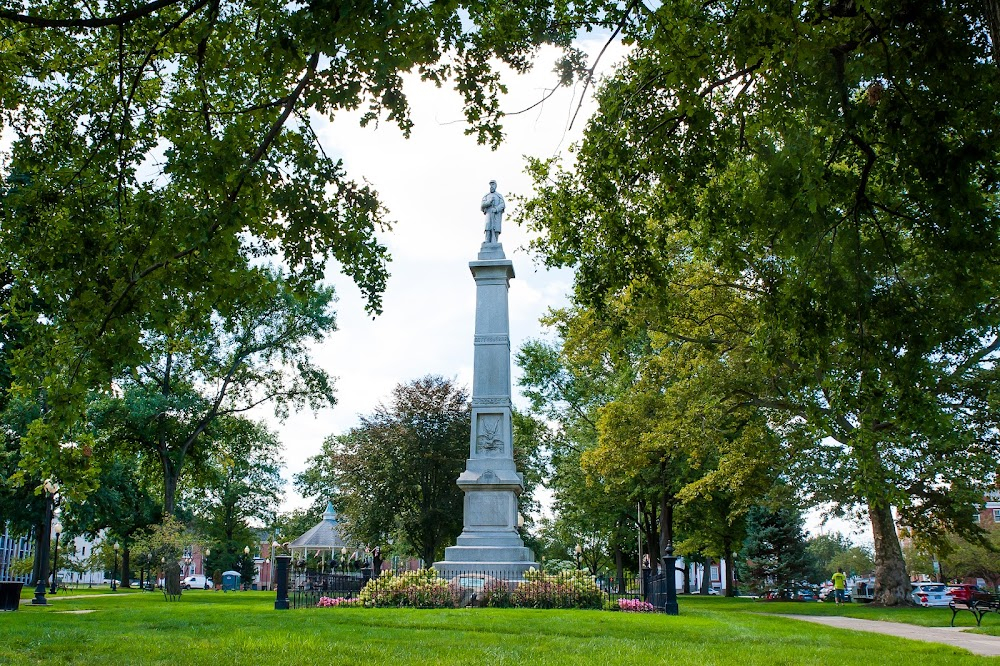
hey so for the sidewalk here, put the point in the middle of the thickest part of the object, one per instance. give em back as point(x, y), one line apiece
point(50, 598)
point(981, 644)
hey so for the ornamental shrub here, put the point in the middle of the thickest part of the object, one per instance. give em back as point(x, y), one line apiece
point(417, 589)
point(496, 594)
point(567, 589)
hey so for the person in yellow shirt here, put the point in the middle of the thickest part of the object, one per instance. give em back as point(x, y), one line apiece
point(839, 586)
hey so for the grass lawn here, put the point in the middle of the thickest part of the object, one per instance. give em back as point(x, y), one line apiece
point(242, 628)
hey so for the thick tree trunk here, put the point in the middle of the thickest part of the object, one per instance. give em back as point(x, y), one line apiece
point(991, 15)
point(686, 587)
point(126, 574)
point(620, 568)
point(36, 566)
point(730, 569)
point(650, 534)
point(892, 585)
point(169, 488)
point(706, 576)
point(666, 531)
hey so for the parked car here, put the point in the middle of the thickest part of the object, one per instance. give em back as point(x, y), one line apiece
point(826, 594)
point(930, 594)
point(863, 590)
point(965, 592)
point(196, 583)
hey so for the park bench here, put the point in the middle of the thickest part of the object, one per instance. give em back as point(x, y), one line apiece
point(979, 607)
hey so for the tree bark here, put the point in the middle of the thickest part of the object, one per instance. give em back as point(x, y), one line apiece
point(651, 534)
point(706, 576)
point(892, 585)
point(126, 574)
point(666, 530)
point(730, 570)
point(41, 546)
point(991, 16)
point(620, 568)
point(169, 487)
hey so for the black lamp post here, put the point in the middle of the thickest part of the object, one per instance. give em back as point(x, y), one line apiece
point(57, 528)
point(42, 554)
point(250, 566)
point(114, 571)
point(579, 552)
point(669, 571)
point(280, 583)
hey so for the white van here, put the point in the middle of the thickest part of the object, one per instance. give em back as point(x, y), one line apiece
point(196, 583)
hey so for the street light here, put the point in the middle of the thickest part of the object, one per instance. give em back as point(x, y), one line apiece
point(343, 558)
point(57, 528)
point(579, 551)
point(204, 571)
point(246, 553)
point(114, 572)
point(41, 570)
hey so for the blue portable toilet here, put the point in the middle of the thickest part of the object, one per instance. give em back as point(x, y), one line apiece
point(230, 580)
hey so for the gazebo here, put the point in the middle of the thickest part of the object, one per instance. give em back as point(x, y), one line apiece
point(323, 539)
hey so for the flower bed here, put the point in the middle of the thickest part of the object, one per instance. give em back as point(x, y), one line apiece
point(334, 602)
point(635, 606)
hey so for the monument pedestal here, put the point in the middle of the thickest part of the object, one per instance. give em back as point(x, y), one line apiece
point(489, 542)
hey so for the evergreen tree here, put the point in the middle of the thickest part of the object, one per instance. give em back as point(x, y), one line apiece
point(774, 552)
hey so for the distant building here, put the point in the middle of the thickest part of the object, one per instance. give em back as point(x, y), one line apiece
point(989, 512)
point(79, 551)
point(13, 548)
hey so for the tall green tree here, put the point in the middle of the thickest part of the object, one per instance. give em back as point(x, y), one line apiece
point(394, 475)
point(774, 553)
point(255, 355)
point(966, 559)
point(835, 168)
point(240, 489)
point(124, 505)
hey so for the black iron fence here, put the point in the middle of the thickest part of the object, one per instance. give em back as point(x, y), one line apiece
point(306, 588)
point(427, 588)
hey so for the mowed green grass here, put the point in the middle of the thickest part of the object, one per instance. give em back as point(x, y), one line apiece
point(28, 591)
point(243, 628)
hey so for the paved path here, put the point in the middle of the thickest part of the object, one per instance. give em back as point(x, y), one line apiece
point(981, 644)
point(58, 597)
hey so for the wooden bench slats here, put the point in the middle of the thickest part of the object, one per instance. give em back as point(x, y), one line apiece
point(979, 607)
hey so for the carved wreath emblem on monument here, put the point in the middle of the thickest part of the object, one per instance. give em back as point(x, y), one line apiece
point(488, 440)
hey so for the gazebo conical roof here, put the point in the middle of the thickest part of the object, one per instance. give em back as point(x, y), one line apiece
point(325, 535)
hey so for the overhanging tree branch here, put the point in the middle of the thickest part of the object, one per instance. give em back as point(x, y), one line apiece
point(116, 20)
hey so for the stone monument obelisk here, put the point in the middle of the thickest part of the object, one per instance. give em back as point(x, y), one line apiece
point(489, 542)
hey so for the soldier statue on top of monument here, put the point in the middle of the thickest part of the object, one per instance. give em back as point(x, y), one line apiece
point(492, 207)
